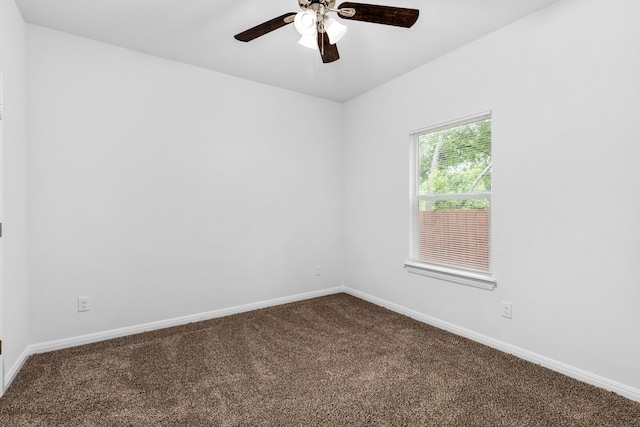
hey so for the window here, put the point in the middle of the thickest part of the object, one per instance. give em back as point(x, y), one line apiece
point(451, 202)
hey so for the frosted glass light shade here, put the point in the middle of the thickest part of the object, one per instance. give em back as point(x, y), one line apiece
point(335, 30)
point(305, 22)
point(310, 41)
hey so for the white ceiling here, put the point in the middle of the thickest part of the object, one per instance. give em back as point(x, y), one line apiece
point(200, 32)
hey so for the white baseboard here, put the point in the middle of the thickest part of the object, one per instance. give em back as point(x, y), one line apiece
point(177, 321)
point(130, 330)
point(10, 376)
point(568, 370)
point(579, 374)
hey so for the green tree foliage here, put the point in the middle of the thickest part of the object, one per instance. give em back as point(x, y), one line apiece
point(454, 161)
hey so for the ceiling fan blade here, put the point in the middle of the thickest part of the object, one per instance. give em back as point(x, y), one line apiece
point(328, 51)
point(388, 15)
point(265, 27)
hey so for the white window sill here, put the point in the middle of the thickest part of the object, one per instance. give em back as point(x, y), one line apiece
point(461, 277)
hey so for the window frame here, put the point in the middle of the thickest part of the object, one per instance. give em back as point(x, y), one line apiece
point(458, 275)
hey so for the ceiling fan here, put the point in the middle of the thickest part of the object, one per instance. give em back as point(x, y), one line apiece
point(318, 30)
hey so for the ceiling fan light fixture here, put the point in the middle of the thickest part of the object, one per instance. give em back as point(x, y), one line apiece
point(305, 22)
point(335, 30)
point(310, 41)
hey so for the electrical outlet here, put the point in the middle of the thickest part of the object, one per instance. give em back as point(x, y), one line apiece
point(506, 309)
point(318, 271)
point(83, 304)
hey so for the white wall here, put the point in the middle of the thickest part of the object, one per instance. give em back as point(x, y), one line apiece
point(162, 190)
point(564, 90)
point(13, 195)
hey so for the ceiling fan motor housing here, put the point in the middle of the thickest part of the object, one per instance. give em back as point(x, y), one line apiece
point(320, 6)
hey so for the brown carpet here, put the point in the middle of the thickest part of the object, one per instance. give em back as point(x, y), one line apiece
point(331, 361)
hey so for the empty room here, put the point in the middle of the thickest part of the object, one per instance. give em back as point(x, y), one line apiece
point(307, 212)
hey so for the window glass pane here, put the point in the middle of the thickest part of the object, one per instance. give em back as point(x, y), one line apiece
point(455, 160)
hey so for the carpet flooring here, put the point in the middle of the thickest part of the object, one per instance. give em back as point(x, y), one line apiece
point(330, 361)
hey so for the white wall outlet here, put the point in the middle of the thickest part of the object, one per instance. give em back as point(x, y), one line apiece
point(83, 304)
point(318, 271)
point(506, 309)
